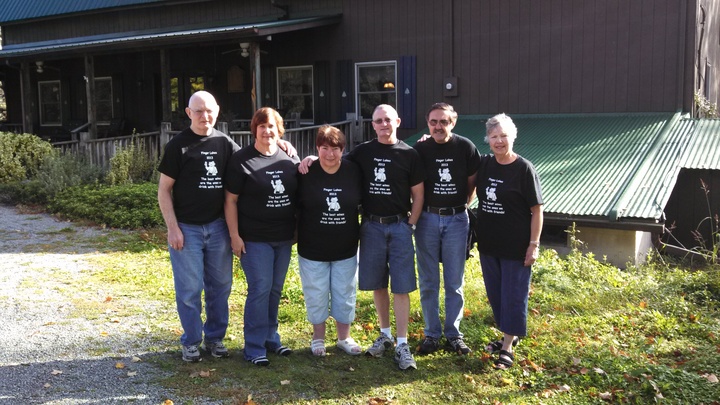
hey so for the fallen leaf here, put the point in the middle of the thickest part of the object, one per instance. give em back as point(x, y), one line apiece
point(119, 364)
point(49, 323)
point(352, 369)
point(132, 373)
point(47, 385)
point(285, 382)
point(643, 304)
point(564, 388)
point(467, 312)
point(205, 373)
point(115, 320)
point(369, 326)
point(469, 378)
point(583, 371)
point(104, 333)
point(136, 359)
point(711, 378)
point(108, 298)
point(56, 372)
point(576, 361)
point(599, 370)
point(168, 402)
point(605, 395)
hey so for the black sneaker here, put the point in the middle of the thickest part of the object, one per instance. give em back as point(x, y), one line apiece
point(458, 346)
point(428, 345)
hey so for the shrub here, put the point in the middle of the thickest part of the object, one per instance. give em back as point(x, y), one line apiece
point(132, 164)
point(29, 192)
point(61, 171)
point(132, 206)
point(21, 156)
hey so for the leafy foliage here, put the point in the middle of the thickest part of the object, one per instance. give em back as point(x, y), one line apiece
point(61, 171)
point(132, 164)
point(130, 206)
point(21, 156)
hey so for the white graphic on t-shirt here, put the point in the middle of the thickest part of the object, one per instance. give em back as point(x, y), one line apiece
point(278, 187)
point(211, 169)
point(490, 193)
point(445, 174)
point(380, 174)
point(333, 204)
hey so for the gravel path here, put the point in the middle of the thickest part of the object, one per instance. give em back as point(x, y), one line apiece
point(47, 356)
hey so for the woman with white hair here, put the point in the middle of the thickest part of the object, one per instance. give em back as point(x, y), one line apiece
point(509, 223)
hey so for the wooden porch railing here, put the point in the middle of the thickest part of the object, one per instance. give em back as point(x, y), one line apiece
point(100, 151)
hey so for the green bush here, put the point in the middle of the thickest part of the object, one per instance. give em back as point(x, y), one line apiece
point(29, 192)
point(61, 171)
point(21, 156)
point(132, 164)
point(131, 206)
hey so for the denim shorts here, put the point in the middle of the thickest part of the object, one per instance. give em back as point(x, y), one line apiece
point(329, 289)
point(387, 253)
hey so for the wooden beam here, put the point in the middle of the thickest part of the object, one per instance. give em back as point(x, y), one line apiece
point(90, 95)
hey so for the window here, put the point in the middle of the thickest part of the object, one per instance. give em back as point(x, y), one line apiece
point(50, 104)
point(295, 92)
point(375, 84)
point(104, 99)
point(178, 99)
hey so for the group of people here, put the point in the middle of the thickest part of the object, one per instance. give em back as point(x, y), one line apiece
point(218, 200)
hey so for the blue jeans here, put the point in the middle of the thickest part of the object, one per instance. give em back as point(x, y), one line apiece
point(442, 238)
point(329, 285)
point(507, 283)
point(205, 262)
point(386, 252)
point(265, 265)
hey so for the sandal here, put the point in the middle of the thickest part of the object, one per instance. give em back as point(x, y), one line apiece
point(283, 350)
point(260, 361)
point(505, 360)
point(349, 346)
point(317, 346)
point(496, 346)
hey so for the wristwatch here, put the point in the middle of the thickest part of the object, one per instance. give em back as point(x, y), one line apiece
point(413, 227)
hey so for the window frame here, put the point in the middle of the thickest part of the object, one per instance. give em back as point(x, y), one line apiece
point(311, 94)
point(359, 93)
point(42, 104)
point(111, 100)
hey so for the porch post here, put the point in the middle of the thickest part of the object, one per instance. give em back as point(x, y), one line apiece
point(90, 95)
point(165, 85)
point(258, 81)
point(27, 99)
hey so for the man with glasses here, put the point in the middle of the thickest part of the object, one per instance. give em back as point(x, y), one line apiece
point(191, 198)
point(392, 202)
point(451, 163)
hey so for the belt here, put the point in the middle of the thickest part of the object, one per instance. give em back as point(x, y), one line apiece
point(446, 211)
point(385, 220)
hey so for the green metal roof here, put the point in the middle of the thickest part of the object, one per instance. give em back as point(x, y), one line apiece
point(704, 149)
point(19, 10)
point(598, 168)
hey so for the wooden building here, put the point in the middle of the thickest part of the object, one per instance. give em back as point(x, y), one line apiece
point(317, 61)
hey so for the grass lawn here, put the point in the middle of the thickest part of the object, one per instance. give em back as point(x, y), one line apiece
point(596, 335)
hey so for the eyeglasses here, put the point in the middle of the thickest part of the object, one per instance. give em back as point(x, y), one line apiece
point(380, 121)
point(441, 122)
point(201, 112)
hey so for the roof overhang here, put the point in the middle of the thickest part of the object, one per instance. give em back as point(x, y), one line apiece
point(157, 39)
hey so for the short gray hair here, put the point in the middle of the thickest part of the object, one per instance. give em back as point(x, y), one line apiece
point(504, 122)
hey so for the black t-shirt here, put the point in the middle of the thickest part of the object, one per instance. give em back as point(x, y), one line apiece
point(389, 171)
point(447, 168)
point(266, 187)
point(328, 229)
point(505, 195)
point(197, 163)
